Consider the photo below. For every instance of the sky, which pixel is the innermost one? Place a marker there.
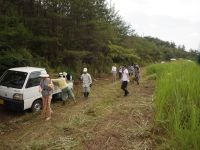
(169, 20)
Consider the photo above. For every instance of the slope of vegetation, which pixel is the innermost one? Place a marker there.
(69, 34)
(177, 103)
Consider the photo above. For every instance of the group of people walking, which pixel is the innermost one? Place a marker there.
(65, 83)
(125, 74)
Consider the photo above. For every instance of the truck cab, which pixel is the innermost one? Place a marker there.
(19, 88)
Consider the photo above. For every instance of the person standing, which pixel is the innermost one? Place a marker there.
(87, 82)
(125, 80)
(66, 89)
(120, 72)
(70, 86)
(46, 89)
(131, 70)
(137, 74)
(114, 73)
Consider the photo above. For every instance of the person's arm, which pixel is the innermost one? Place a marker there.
(127, 74)
(81, 77)
(71, 78)
(51, 84)
(90, 80)
(55, 81)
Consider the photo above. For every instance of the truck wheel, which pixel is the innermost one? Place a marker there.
(36, 106)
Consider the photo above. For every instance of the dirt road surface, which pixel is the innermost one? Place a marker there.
(105, 121)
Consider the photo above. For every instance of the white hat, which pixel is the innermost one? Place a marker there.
(64, 73)
(84, 69)
(60, 73)
(44, 75)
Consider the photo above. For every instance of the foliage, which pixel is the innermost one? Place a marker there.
(13, 58)
(177, 103)
(152, 50)
(123, 55)
(198, 59)
(69, 34)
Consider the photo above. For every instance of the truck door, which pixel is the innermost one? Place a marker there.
(31, 91)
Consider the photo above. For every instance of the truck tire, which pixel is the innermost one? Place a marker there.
(36, 106)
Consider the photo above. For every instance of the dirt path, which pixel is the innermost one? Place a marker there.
(107, 120)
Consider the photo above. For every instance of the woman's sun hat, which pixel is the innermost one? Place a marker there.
(44, 75)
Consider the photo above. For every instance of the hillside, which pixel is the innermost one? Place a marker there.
(65, 35)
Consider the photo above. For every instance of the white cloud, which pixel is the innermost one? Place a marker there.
(172, 20)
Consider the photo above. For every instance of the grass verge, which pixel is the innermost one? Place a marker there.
(177, 103)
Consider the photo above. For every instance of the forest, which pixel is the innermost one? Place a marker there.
(71, 34)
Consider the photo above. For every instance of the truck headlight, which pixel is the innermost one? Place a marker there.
(18, 96)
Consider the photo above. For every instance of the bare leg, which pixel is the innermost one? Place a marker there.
(48, 108)
(115, 75)
(43, 106)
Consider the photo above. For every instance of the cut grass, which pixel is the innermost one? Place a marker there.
(107, 120)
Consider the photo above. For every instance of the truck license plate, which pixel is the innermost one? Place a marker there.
(1, 102)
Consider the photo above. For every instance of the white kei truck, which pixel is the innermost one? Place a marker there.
(19, 89)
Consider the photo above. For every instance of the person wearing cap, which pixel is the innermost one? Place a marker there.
(87, 82)
(70, 85)
(137, 73)
(60, 75)
(67, 76)
(114, 72)
(120, 72)
(46, 89)
(64, 74)
(131, 70)
(65, 87)
(125, 80)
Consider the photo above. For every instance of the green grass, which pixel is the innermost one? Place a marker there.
(177, 103)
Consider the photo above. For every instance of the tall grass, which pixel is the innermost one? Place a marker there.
(177, 103)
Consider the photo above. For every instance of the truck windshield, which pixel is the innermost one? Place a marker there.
(14, 79)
